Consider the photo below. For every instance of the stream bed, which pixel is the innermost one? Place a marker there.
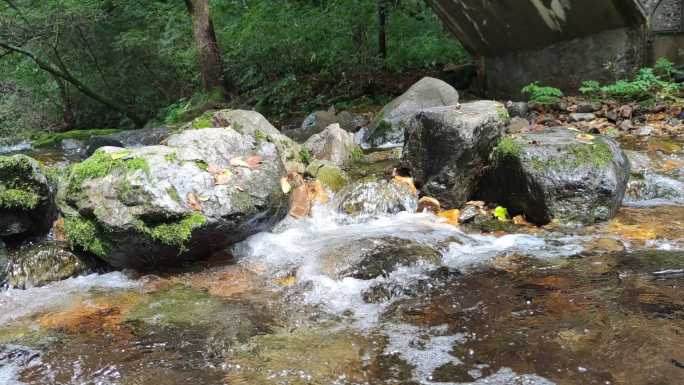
(390, 299)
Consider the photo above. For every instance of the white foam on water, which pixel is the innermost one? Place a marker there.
(424, 348)
(17, 303)
(485, 248)
(17, 147)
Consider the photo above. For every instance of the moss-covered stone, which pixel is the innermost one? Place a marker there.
(204, 121)
(87, 234)
(175, 305)
(52, 138)
(101, 164)
(329, 175)
(175, 233)
(506, 148)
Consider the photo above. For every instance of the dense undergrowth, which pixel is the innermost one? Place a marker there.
(286, 60)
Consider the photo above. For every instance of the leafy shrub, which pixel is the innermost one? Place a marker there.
(649, 84)
(542, 94)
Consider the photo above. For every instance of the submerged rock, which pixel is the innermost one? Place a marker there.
(372, 257)
(43, 263)
(333, 144)
(130, 138)
(205, 189)
(558, 175)
(447, 148)
(377, 196)
(388, 127)
(26, 197)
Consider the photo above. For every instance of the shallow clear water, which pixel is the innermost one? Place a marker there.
(314, 301)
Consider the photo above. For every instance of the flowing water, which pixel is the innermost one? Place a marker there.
(375, 299)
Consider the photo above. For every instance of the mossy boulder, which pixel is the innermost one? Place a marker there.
(329, 174)
(557, 174)
(388, 127)
(447, 148)
(42, 263)
(26, 197)
(163, 205)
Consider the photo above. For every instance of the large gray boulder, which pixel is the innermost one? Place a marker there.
(165, 204)
(558, 174)
(256, 125)
(333, 144)
(372, 197)
(388, 127)
(318, 121)
(26, 198)
(447, 148)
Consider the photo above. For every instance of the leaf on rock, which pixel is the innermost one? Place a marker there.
(301, 203)
(214, 169)
(254, 162)
(501, 213)
(222, 178)
(194, 202)
(285, 185)
(238, 162)
(585, 138)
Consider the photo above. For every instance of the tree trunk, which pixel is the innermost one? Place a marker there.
(382, 23)
(68, 116)
(208, 53)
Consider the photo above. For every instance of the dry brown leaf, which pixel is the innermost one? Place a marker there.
(429, 204)
(222, 178)
(301, 204)
(214, 169)
(254, 162)
(317, 192)
(407, 183)
(239, 188)
(238, 162)
(451, 216)
(194, 202)
(285, 185)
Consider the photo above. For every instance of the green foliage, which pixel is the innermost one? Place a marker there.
(102, 163)
(542, 94)
(357, 154)
(305, 155)
(501, 213)
(649, 85)
(506, 148)
(86, 234)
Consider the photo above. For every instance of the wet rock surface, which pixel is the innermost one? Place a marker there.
(447, 148)
(558, 175)
(376, 197)
(130, 138)
(45, 262)
(158, 205)
(388, 127)
(26, 198)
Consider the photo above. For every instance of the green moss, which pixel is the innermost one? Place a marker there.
(380, 130)
(171, 158)
(260, 136)
(597, 154)
(18, 199)
(173, 193)
(357, 154)
(87, 234)
(101, 164)
(204, 121)
(503, 113)
(506, 148)
(175, 234)
(48, 139)
(305, 156)
(332, 177)
(18, 189)
(202, 165)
